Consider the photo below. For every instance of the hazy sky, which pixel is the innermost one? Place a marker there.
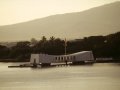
(15, 11)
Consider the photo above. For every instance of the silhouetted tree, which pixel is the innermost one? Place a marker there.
(20, 51)
(33, 41)
(4, 51)
(102, 46)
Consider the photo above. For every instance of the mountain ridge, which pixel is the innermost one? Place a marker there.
(71, 25)
(59, 14)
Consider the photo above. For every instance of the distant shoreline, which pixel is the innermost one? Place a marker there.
(27, 60)
(107, 61)
(14, 60)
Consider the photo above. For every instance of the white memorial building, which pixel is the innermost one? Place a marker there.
(45, 59)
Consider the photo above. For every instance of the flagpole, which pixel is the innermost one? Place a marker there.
(66, 52)
(65, 45)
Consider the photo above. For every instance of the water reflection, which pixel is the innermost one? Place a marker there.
(84, 77)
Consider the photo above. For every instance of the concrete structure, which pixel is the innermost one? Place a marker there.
(45, 59)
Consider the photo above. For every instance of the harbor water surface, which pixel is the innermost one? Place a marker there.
(99, 76)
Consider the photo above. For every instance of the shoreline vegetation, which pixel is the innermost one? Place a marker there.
(102, 47)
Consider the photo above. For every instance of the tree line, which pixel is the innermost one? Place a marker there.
(102, 46)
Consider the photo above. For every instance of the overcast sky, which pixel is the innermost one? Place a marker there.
(15, 11)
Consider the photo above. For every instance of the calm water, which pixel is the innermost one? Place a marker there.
(91, 77)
